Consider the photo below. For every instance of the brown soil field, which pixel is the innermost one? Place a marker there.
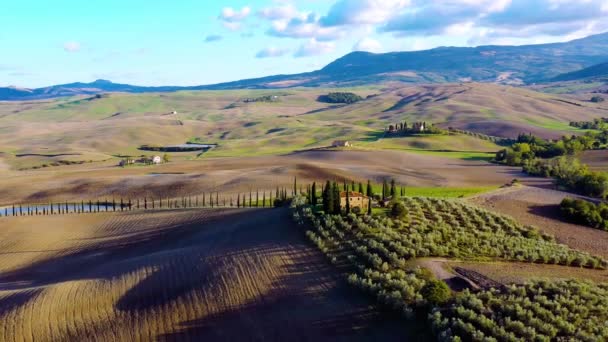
(596, 160)
(242, 174)
(539, 207)
(200, 275)
(519, 272)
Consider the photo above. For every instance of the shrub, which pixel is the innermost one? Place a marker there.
(436, 292)
(398, 210)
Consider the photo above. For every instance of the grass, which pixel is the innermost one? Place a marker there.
(436, 192)
(446, 192)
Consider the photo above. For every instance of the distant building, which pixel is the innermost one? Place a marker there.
(418, 127)
(341, 143)
(157, 160)
(355, 199)
(174, 112)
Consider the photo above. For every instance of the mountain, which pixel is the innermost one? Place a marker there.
(501, 64)
(595, 71)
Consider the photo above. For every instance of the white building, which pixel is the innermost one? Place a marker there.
(341, 143)
(157, 160)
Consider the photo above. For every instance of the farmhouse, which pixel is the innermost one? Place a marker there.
(355, 199)
(157, 160)
(341, 143)
(418, 127)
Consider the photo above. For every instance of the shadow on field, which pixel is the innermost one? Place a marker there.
(89, 263)
(242, 274)
(309, 302)
(17, 299)
(550, 211)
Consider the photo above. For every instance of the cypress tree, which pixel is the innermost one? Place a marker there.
(384, 189)
(238, 200)
(369, 189)
(347, 209)
(295, 186)
(203, 199)
(344, 185)
(336, 199)
(361, 188)
(211, 199)
(313, 194)
(328, 199)
(264, 199)
(257, 198)
(369, 207)
(250, 199)
(352, 186)
(217, 199)
(393, 189)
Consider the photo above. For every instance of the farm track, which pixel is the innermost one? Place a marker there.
(221, 274)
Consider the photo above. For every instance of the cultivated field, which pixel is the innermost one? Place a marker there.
(174, 275)
(232, 175)
(34, 133)
(540, 207)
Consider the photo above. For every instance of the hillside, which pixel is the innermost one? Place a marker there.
(595, 71)
(501, 64)
(175, 275)
(33, 133)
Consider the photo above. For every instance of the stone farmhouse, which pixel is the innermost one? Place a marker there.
(356, 200)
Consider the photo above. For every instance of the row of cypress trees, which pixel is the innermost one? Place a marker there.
(206, 200)
(330, 196)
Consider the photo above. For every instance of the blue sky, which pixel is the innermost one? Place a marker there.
(188, 42)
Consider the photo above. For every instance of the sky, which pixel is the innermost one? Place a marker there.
(194, 42)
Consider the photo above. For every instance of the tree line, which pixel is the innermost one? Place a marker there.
(571, 174)
(340, 97)
(585, 213)
(257, 199)
(529, 147)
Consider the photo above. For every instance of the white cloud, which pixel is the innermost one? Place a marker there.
(349, 12)
(71, 46)
(305, 25)
(284, 12)
(313, 48)
(231, 15)
(271, 52)
(368, 44)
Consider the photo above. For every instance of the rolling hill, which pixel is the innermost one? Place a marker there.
(500, 64)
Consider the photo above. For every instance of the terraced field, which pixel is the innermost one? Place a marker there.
(174, 275)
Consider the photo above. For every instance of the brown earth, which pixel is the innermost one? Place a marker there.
(539, 207)
(520, 272)
(596, 160)
(233, 175)
(175, 275)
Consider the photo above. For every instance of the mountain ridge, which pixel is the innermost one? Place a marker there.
(523, 64)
